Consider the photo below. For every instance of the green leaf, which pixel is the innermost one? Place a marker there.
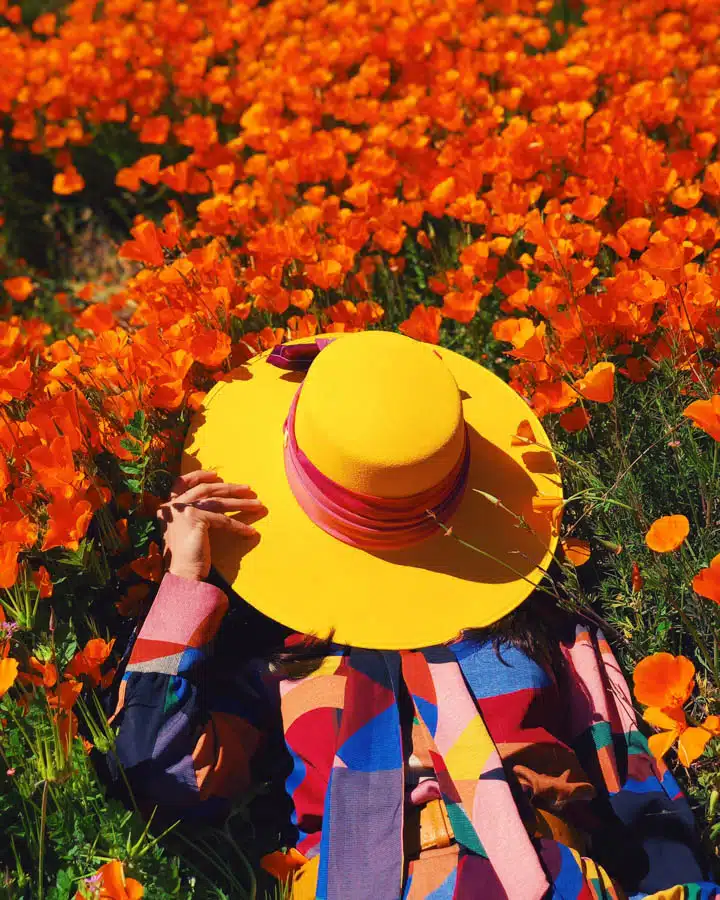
(132, 445)
(138, 425)
(64, 885)
(141, 529)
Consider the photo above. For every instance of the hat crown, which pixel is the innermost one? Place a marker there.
(381, 414)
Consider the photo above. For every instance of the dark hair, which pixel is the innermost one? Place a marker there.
(303, 656)
(537, 627)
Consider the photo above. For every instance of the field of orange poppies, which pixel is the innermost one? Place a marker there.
(535, 183)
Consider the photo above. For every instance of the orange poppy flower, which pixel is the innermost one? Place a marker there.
(576, 551)
(326, 274)
(19, 288)
(9, 568)
(637, 370)
(128, 178)
(707, 581)
(145, 246)
(527, 338)
(169, 386)
(15, 526)
(706, 415)
(711, 182)
(636, 578)
(575, 419)
(687, 197)
(441, 195)
(674, 727)
(199, 132)
(210, 347)
(133, 601)
(423, 324)
(553, 396)
(110, 883)
(712, 724)
(302, 298)
(369, 312)
(63, 697)
(89, 660)
(67, 523)
(43, 673)
(69, 181)
(149, 567)
(45, 24)
(667, 533)
(282, 865)
(155, 130)
(8, 674)
(148, 168)
(588, 207)
(67, 726)
(16, 381)
(663, 680)
(98, 317)
(461, 305)
(636, 232)
(176, 177)
(598, 384)
(666, 260)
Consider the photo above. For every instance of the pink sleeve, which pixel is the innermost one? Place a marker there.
(182, 621)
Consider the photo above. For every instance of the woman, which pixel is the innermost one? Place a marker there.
(440, 744)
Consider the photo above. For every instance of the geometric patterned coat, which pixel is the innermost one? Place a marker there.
(548, 785)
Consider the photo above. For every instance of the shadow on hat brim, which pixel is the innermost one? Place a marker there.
(496, 554)
(494, 559)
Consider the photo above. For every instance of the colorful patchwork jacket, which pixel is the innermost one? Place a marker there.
(548, 784)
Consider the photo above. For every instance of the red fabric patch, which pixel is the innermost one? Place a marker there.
(146, 649)
(417, 676)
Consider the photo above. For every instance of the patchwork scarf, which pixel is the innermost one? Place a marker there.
(364, 806)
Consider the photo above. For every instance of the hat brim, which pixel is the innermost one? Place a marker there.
(309, 581)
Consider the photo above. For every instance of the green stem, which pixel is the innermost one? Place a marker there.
(711, 490)
(214, 858)
(19, 726)
(41, 842)
(246, 864)
(708, 657)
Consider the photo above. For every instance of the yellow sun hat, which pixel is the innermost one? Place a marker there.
(402, 505)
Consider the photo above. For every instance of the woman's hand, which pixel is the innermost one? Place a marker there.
(198, 502)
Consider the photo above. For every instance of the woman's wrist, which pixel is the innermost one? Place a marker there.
(189, 573)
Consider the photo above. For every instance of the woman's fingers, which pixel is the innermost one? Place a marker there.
(227, 504)
(207, 490)
(219, 520)
(203, 496)
(184, 482)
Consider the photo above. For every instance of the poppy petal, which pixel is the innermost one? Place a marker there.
(660, 744)
(576, 551)
(692, 744)
(664, 680)
(8, 674)
(667, 533)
